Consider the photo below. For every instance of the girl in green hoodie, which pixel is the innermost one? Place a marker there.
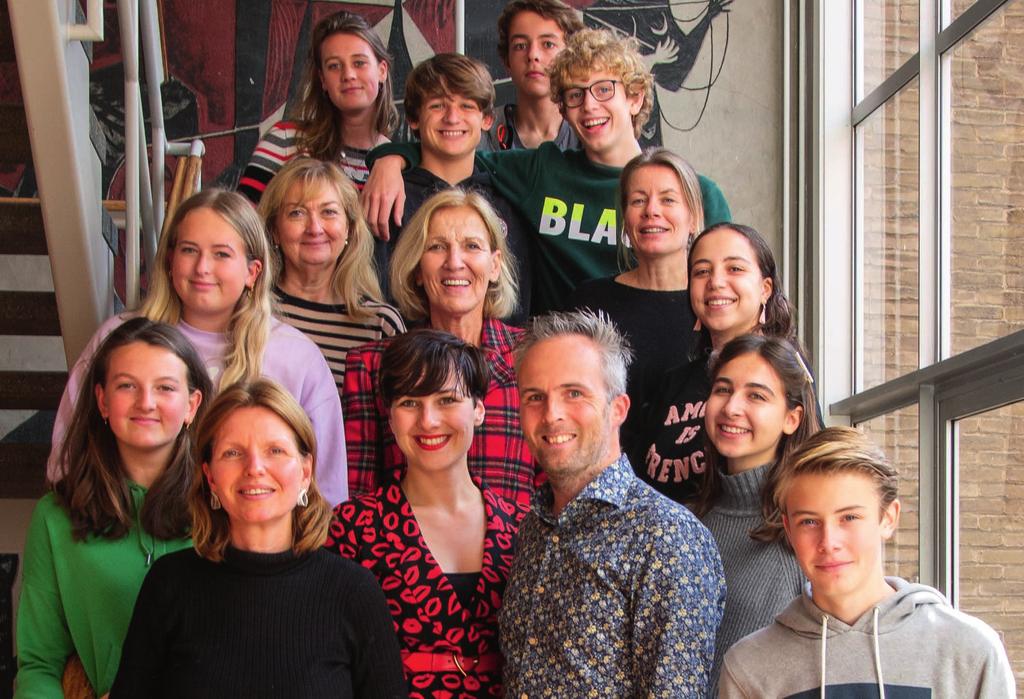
(120, 505)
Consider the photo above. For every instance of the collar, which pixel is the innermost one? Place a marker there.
(742, 491)
(498, 336)
(610, 487)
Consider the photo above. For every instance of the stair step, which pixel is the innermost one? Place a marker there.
(14, 143)
(23, 470)
(21, 227)
(29, 313)
(31, 390)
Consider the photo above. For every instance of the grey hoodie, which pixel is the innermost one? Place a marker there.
(911, 645)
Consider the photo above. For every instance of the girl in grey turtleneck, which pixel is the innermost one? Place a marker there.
(754, 416)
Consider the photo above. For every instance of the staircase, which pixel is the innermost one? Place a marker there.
(32, 366)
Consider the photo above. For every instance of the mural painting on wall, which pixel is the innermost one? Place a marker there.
(232, 68)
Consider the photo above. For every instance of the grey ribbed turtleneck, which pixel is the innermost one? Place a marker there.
(761, 579)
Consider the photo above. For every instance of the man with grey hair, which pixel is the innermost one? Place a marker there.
(615, 590)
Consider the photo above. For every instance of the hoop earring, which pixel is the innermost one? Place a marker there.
(214, 501)
(303, 498)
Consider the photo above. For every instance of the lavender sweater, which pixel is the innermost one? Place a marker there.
(290, 358)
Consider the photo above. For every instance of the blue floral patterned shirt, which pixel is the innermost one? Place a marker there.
(619, 595)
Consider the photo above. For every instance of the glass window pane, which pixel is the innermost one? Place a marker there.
(988, 180)
(888, 146)
(897, 434)
(990, 467)
(890, 32)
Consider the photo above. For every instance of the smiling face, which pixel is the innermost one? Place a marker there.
(257, 471)
(311, 228)
(747, 413)
(146, 400)
(450, 128)
(657, 218)
(837, 526)
(569, 422)
(457, 263)
(435, 431)
(533, 44)
(727, 288)
(350, 73)
(605, 129)
(209, 269)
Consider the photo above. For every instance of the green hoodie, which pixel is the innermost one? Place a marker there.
(77, 597)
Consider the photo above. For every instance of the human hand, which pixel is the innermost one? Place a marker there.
(384, 193)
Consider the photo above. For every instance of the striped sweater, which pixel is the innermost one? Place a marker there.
(278, 146)
(334, 330)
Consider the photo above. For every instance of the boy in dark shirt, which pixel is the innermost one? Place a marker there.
(531, 33)
(449, 104)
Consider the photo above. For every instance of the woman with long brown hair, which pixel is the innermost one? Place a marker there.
(345, 107)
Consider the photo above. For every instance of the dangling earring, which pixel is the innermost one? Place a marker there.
(761, 319)
(248, 292)
(214, 501)
(303, 498)
(697, 326)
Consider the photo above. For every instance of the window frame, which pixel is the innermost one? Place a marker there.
(946, 387)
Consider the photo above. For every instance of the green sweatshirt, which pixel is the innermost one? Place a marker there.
(571, 202)
(77, 597)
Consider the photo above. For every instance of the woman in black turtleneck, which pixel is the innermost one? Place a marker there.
(258, 608)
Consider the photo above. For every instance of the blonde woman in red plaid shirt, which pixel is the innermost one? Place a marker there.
(451, 270)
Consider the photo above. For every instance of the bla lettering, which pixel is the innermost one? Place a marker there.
(552, 220)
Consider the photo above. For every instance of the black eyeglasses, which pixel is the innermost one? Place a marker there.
(602, 91)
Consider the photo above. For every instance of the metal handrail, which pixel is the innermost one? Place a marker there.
(144, 167)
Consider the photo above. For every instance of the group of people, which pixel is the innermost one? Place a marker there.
(514, 410)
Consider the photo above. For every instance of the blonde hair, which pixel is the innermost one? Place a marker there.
(249, 327)
(320, 119)
(355, 272)
(211, 529)
(502, 296)
(595, 50)
(689, 183)
(836, 450)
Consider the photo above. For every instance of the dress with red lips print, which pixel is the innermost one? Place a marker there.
(380, 531)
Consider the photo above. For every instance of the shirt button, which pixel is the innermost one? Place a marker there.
(554, 539)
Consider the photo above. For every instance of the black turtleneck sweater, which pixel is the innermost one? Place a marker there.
(260, 625)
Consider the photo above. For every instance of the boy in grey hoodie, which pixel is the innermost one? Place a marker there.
(853, 630)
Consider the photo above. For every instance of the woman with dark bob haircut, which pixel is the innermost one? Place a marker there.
(258, 608)
(438, 530)
(121, 505)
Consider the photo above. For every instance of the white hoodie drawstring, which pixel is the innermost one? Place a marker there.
(878, 660)
(878, 656)
(824, 637)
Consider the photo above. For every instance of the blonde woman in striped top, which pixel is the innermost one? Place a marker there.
(327, 284)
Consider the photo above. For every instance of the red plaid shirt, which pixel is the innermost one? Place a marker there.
(498, 456)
